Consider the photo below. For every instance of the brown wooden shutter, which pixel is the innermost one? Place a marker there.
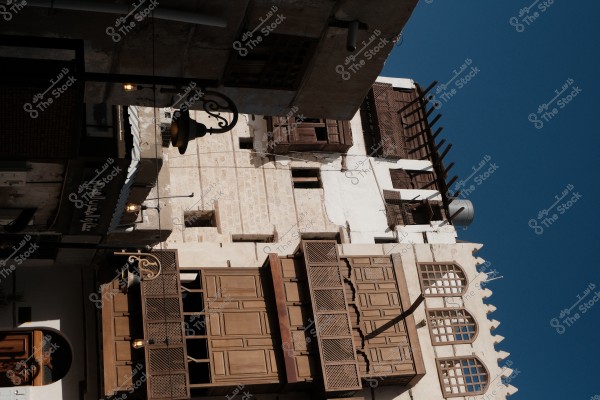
(242, 344)
(406, 179)
(400, 179)
(390, 130)
(330, 310)
(166, 359)
(334, 135)
(400, 135)
(423, 180)
(346, 133)
(393, 352)
(306, 131)
(312, 134)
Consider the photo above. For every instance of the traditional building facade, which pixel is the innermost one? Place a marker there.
(310, 259)
(297, 256)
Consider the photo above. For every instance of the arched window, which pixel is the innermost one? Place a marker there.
(442, 279)
(451, 325)
(460, 376)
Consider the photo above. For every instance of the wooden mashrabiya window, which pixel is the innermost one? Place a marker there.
(451, 326)
(460, 376)
(439, 279)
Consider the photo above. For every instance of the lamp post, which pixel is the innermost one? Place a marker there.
(184, 128)
(144, 262)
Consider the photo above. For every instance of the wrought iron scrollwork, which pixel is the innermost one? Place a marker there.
(185, 129)
(213, 103)
(145, 262)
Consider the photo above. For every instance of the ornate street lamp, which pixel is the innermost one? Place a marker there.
(184, 128)
(148, 267)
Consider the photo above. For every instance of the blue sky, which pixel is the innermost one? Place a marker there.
(553, 56)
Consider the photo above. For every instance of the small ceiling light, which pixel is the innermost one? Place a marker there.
(140, 343)
(130, 87)
(133, 208)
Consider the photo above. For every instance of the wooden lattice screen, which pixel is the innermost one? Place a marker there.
(408, 179)
(292, 134)
(162, 310)
(330, 310)
(396, 135)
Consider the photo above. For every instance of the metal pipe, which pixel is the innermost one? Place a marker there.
(159, 13)
(440, 144)
(448, 168)
(413, 137)
(439, 161)
(417, 122)
(456, 213)
(454, 196)
(422, 96)
(436, 119)
(451, 182)
(416, 110)
(352, 36)
(431, 110)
